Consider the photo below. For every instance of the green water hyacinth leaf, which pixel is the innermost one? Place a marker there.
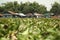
(29, 29)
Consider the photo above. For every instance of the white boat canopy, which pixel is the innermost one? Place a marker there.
(21, 14)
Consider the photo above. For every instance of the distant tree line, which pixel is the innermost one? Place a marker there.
(55, 8)
(29, 7)
(23, 7)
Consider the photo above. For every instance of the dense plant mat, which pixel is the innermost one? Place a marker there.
(29, 29)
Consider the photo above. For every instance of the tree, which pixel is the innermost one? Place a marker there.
(24, 7)
(2, 9)
(32, 7)
(42, 9)
(12, 6)
(35, 7)
(55, 8)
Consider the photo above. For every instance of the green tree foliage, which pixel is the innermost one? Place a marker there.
(2, 9)
(55, 8)
(42, 9)
(12, 6)
(25, 7)
(32, 7)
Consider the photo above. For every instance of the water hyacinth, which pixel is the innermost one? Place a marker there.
(29, 29)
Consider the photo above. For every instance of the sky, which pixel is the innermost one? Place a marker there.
(47, 3)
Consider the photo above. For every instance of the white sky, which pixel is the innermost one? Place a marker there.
(47, 3)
